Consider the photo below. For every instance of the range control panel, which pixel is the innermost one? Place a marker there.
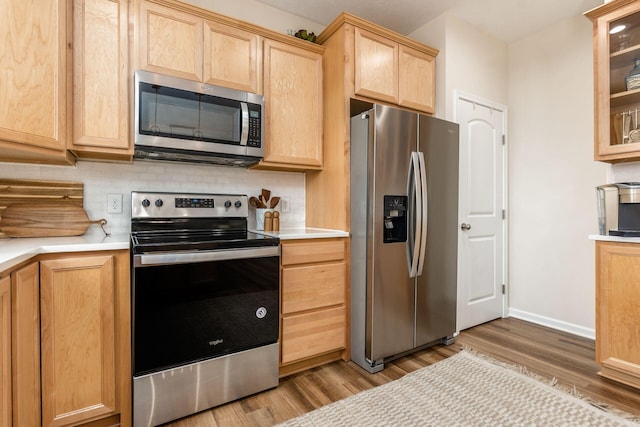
(190, 202)
(186, 205)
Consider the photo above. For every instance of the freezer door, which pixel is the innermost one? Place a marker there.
(437, 286)
(391, 290)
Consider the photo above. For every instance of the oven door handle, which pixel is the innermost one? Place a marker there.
(146, 260)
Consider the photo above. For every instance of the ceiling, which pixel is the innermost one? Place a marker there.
(507, 20)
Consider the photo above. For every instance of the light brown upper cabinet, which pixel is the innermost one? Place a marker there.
(616, 45)
(293, 104)
(35, 81)
(182, 42)
(389, 71)
(170, 41)
(376, 66)
(101, 84)
(416, 79)
(231, 57)
(362, 62)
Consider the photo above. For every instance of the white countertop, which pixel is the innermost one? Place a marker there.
(614, 238)
(16, 250)
(303, 233)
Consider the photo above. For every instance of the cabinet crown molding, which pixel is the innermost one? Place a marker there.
(212, 16)
(347, 18)
(605, 8)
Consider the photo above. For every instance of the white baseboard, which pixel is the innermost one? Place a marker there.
(553, 323)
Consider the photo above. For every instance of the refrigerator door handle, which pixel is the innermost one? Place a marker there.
(414, 190)
(424, 212)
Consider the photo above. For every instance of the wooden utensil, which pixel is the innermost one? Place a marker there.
(274, 201)
(265, 196)
(45, 220)
(253, 201)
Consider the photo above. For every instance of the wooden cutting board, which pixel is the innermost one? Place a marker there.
(13, 191)
(45, 220)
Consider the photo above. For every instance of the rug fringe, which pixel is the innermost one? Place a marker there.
(553, 382)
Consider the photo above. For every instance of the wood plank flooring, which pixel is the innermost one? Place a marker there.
(544, 351)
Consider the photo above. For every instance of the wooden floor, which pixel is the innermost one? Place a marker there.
(544, 351)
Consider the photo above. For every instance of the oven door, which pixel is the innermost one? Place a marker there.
(193, 306)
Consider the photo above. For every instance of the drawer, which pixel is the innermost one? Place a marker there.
(313, 286)
(311, 334)
(319, 250)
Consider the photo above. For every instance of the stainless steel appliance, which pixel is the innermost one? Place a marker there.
(182, 120)
(619, 209)
(205, 302)
(404, 228)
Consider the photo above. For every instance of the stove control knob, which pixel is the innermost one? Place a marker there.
(227, 204)
(159, 203)
(238, 204)
(146, 203)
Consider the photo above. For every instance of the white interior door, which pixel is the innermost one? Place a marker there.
(482, 247)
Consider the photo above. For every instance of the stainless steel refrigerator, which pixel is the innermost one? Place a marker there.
(404, 233)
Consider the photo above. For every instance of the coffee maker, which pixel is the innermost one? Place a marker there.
(619, 209)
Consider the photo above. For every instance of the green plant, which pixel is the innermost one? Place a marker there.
(304, 35)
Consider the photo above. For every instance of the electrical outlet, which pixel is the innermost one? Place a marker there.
(114, 203)
(284, 204)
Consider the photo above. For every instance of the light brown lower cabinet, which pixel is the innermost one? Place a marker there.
(617, 314)
(5, 352)
(71, 351)
(314, 303)
(25, 342)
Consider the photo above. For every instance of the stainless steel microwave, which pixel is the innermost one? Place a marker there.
(186, 121)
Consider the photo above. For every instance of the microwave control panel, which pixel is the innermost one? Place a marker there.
(255, 128)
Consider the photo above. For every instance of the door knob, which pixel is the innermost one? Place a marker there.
(465, 227)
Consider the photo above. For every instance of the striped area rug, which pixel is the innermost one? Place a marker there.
(466, 389)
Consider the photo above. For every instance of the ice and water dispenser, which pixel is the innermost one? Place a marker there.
(619, 209)
(395, 219)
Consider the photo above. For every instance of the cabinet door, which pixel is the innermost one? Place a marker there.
(376, 66)
(310, 287)
(416, 84)
(230, 57)
(616, 103)
(34, 77)
(617, 316)
(5, 352)
(100, 66)
(313, 333)
(293, 104)
(78, 339)
(25, 328)
(170, 42)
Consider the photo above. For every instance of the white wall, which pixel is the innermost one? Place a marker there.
(259, 14)
(546, 80)
(101, 179)
(553, 177)
(469, 60)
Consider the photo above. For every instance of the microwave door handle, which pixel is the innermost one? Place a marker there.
(244, 133)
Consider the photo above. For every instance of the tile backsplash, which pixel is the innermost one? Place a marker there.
(101, 179)
(624, 172)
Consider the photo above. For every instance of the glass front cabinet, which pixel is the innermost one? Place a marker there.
(616, 44)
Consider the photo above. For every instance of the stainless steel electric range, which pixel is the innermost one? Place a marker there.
(205, 299)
